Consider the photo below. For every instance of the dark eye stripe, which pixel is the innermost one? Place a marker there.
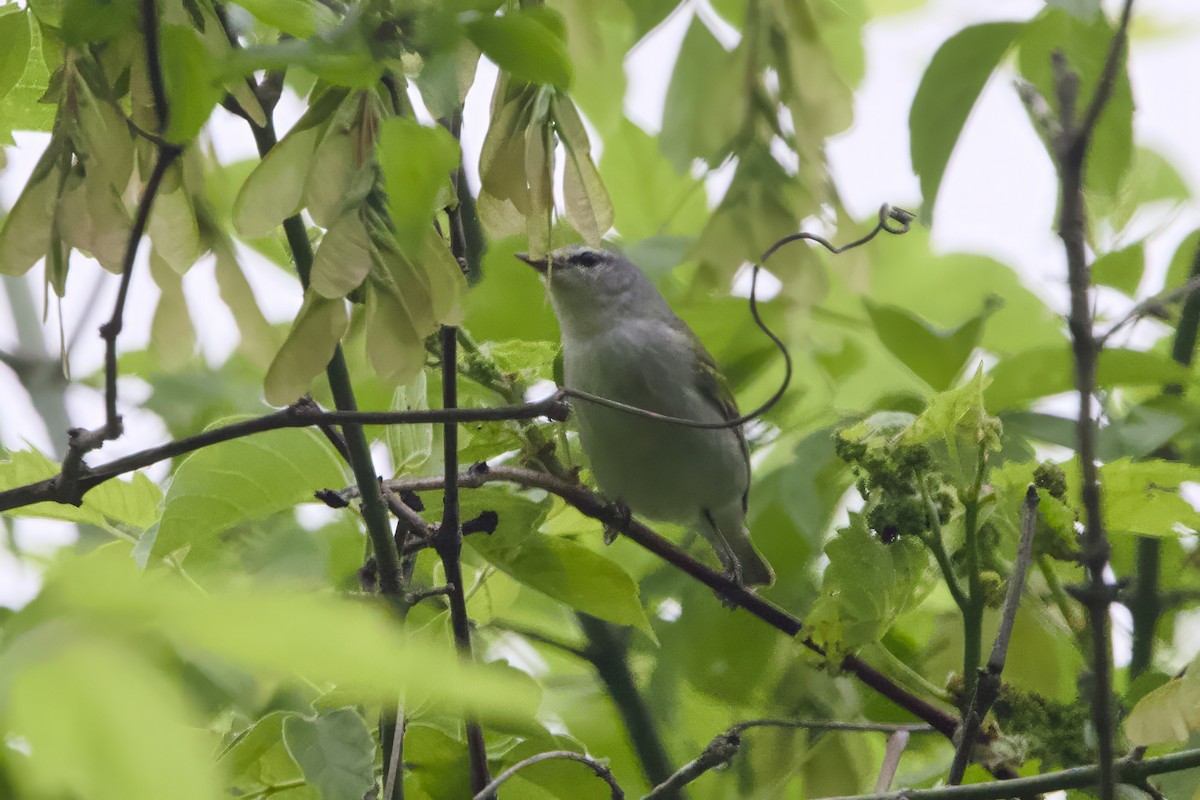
(588, 258)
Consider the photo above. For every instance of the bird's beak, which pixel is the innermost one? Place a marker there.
(540, 264)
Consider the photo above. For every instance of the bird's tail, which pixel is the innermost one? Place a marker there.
(728, 534)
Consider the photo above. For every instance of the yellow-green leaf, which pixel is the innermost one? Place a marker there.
(309, 346)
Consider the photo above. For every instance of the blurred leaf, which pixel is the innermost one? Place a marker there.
(301, 635)
(191, 83)
(936, 356)
(299, 18)
(172, 334)
(1121, 269)
(1181, 266)
(556, 566)
(335, 751)
(525, 44)
(410, 445)
(648, 194)
(589, 208)
(15, 41)
(1151, 178)
(705, 77)
(22, 106)
(68, 697)
(315, 334)
(1085, 45)
(25, 236)
(1167, 714)
(1043, 372)
(210, 491)
(949, 88)
(173, 226)
(416, 163)
(259, 340)
(1142, 497)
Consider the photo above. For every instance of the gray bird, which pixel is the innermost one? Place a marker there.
(623, 342)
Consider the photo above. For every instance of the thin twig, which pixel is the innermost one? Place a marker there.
(987, 687)
(154, 74)
(602, 772)
(298, 415)
(1150, 306)
(896, 744)
(1126, 770)
(590, 504)
(1071, 152)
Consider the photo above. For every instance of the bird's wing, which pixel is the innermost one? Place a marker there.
(713, 386)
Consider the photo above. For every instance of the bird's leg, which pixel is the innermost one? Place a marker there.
(623, 516)
(729, 561)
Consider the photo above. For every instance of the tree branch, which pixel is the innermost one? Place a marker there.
(987, 686)
(1126, 771)
(602, 772)
(1071, 151)
(299, 415)
(593, 506)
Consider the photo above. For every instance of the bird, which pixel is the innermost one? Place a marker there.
(621, 341)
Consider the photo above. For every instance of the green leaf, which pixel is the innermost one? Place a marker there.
(1121, 269)
(25, 236)
(1169, 713)
(191, 83)
(1085, 45)
(259, 340)
(555, 566)
(173, 226)
(949, 88)
(335, 751)
(172, 334)
(23, 107)
(1046, 371)
(259, 760)
(524, 45)
(240, 480)
(416, 163)
(936, 356)
(589, 208)
(316, 638)
(299, 18)
(1181, 267)
(93, 22)
(315, 334)
(958, 425)
(867, 584)
(343, 258)
(705, 78)
(1142, 497)
(275, 189)
(69, 693)
(410, 445)
(92, 219)
(649, 195)
(15, 41)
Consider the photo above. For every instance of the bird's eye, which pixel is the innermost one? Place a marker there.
(587, 258)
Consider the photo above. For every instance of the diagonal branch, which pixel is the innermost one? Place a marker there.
(602, 771)
(593, 506)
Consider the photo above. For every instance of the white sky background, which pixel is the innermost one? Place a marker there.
(998, 198)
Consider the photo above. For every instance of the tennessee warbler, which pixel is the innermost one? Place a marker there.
(622, 341)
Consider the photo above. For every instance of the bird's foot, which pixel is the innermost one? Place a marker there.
(733, 571)
(623, 516)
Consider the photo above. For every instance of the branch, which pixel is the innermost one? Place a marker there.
(448, 542)
(1152, 305)
(891, 760)
(1070, 152)
(587, 502)
(725, 745)
(1126, 771)
(987, 687)
(299, 415)
(602, 772)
